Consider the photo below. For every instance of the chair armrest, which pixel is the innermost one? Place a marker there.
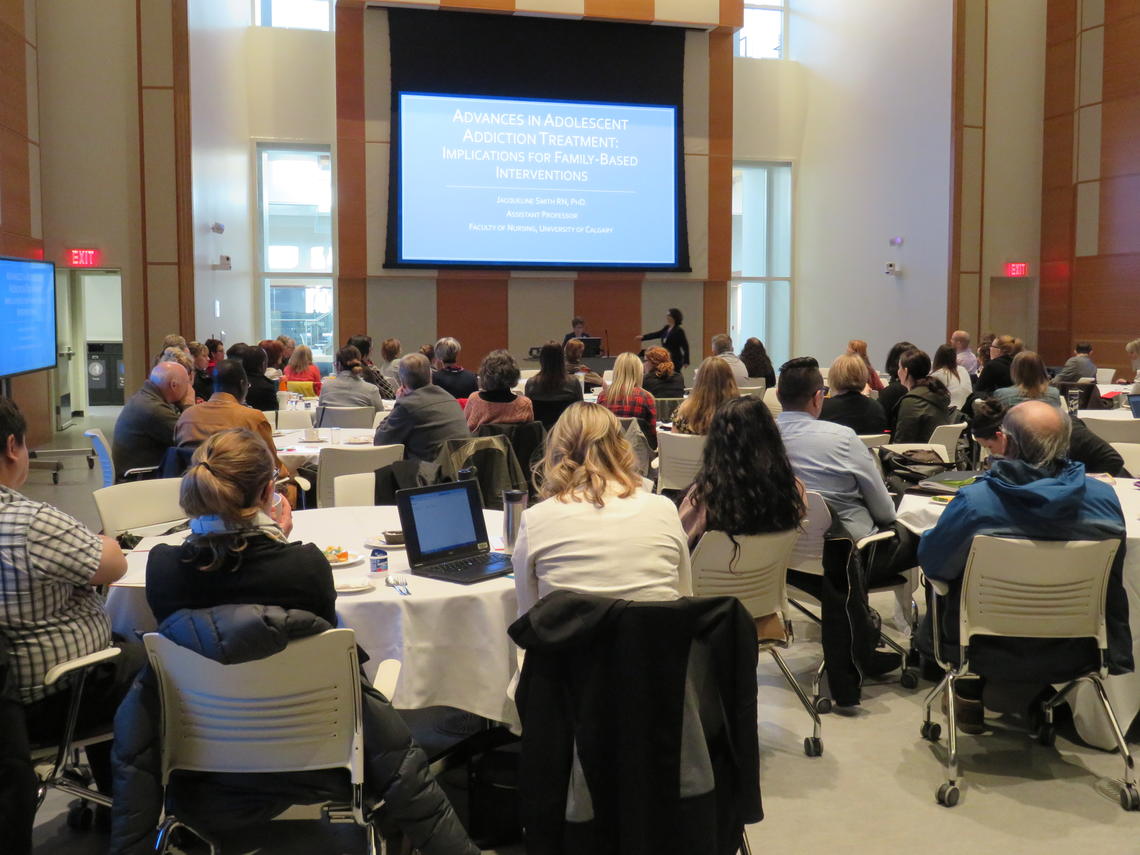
(64, 668)
(139, 472)
(940, 588)
(387, 675)
(873, 538)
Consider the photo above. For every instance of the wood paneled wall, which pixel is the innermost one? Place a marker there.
(1090, 221)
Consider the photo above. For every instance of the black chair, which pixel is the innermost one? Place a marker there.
(548, 412)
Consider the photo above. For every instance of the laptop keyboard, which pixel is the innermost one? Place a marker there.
(462, 564)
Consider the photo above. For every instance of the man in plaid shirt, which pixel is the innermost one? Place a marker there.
(50, 610)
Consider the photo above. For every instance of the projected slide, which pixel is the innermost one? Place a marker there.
(27, 315)
(489, 181)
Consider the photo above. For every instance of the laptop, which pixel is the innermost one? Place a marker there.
(591, 346)
(445, 535)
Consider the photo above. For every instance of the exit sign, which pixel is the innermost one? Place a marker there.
(83, 257)
(1017, 268)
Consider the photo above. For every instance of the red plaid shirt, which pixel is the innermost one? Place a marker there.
(639, 405)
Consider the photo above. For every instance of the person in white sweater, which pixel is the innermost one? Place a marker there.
(598, 530)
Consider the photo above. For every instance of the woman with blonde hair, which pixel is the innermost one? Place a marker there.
(847, 405)
(598, 529)
(625, 398)
(1030, 382)
(858, 347)
(714, 385)
(302, 369)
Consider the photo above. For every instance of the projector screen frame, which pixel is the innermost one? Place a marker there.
(54, 318)
(393, 258)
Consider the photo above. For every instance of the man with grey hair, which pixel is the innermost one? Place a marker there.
(449, 374)
(960, 341)
(722, 348)
(424, 417)
(145, 427)
(1032, 491)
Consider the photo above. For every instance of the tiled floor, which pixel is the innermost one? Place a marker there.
(871, 791)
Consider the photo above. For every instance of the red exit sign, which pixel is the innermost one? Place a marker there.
(1017, 268)
(83, 257)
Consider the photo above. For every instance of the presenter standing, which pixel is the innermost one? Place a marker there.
(578, 331)
(673, 339)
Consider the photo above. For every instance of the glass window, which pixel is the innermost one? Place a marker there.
(295, 208)
(297, 14)
(762, 36)
(761, 288)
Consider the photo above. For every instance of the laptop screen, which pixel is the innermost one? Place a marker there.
(443, 520)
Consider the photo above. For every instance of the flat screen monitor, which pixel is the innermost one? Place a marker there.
(524, 182)
(27, 316)
(591, 346)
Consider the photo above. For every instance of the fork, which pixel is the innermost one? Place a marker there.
(399, 583)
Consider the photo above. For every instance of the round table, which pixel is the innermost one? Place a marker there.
(451, 638)
(919, 513)
(294, 450)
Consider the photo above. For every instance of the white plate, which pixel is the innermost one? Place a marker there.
(358, 440)
(353, 558)
(353, 586)
(378, 543)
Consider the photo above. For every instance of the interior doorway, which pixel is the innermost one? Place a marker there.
(89, 326)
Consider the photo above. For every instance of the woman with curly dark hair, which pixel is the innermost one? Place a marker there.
(755, 358)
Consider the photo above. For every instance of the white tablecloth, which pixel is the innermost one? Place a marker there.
(452, 639)
(294, 450)
(919, 512)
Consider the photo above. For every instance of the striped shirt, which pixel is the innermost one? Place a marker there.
(49, 612)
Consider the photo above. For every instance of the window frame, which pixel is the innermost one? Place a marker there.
(264, 8)
(782, 8)
(260, 247)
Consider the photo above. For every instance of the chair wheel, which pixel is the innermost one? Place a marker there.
(822, 705)
(908, 679)
(90, 462)
(948, 795)
(813, 746)
(1130, 797)
(913, 657)
(80, 815)
(55, 477)
(931, 730)
(1046, 734)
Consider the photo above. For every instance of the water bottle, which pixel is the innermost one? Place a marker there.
(471, 473)
(1073, 398)
(514, 503)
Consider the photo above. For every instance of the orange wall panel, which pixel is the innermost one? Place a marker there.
(621, 10)
(1057, 224)
(1115, 10)
(351, 307)
(716, 319)
(1060, 78)
(1061, 21)
(1057, 154)
(613, 308)
(479, 5)
(1122, 58)
(473, 309)
(1120, 137)
(1120, 215)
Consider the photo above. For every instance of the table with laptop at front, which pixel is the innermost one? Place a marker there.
(451, 636)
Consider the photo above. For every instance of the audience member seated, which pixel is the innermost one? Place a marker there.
(552, 383)
(722, 349)
(425, 416)
(624, 396)
(954, 376)
(858, 347)
(661, 380)
(1133, 351)
(673, 339)
(288, 345)
(1084, 445)
(1035, 492)
(372, 374)
(597, 530)
(203, 382)
(1030, 382)
(50, 610)
(226, 409)
(925, 406)
(183, 358)
(495, 403)
(390, 359)
(174, 340)
(1079, 365)
(274, 367)
(966, 358)
(893, 392)
(746, 485)
(996, 373)
(217, 351)
(262, 394)
(301, 369)
(573, 351)
(714, 385)
(349, 388)
(145, 427)
(449, 374)
(757, 362)
(237, 554)
(831, 460)
(847, 405)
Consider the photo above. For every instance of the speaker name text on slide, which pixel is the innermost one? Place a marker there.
(517, 182)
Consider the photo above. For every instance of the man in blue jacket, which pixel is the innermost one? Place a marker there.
(1033, 491)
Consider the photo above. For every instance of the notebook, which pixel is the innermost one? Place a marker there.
(445, 535)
